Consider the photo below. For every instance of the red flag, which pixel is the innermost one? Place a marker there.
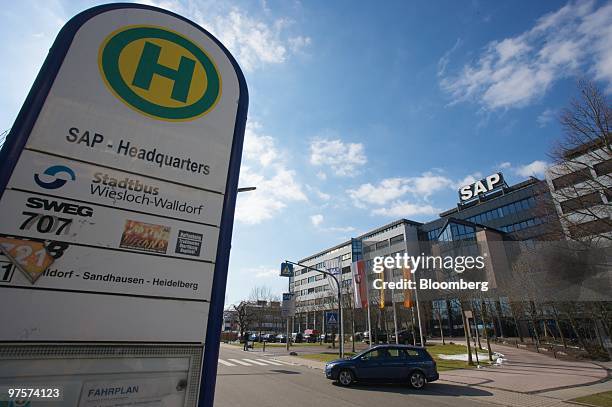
(360, 284)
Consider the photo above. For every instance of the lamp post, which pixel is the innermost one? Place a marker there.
(246, 189)
(340, 319)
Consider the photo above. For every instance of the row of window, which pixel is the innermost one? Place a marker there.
(583, 174)
(311, 279)
(382, 231)
(522, 225)
(581, 202)
(383, 244)
(457, 231)
(502, 211)
(433, 234)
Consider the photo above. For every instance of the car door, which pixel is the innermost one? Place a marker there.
(368, 366)
(393, 366)
(412, 359)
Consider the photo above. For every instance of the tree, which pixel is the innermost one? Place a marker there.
(244, 316)
(259, 298)
(581, 174)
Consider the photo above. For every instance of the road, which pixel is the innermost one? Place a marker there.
(249, 379)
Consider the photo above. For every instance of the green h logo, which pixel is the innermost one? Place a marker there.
(149, 66)
(159, 73)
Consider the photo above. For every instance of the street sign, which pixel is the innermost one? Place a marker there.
(288, 305)
(331, 318)
(286, 270)
(118, 184)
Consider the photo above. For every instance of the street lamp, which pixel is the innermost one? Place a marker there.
(341, 343)
(247, 189)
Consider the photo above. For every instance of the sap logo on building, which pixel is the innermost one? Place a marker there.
(159, 73)
(50, 180)
(493, 181)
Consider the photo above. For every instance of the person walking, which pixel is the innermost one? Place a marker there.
(245, 338)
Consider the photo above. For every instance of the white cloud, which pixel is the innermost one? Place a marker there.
(389, 189)
(403, 209)
(261, 272)
(299, 43)
(445, 59)
(316, 220)
(259, 147)
(321, 175)
(517, 70)
(468, 180)
(536, 168)
(547, 116)
(253, 42)
(264, 169)
(320, 194)
(344, 159)
(504, 165)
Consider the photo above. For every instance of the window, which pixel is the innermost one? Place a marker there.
(603, 168)
(411, 353)
(594, 227)
(515, 227)
(311, 279)
(432, 235)
(572, 179)
(382, 245)
(376, 354)
(581, 202)
(502, 211)
(396, 239)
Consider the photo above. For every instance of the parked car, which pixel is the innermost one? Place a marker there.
(386, 364)
(406, 338)
(270, 338)
(311, 335)
(281, 338)
(254, 338)
(327, 338)
(297, 337)
(379, 337)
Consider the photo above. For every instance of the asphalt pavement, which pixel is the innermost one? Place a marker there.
(252, 379)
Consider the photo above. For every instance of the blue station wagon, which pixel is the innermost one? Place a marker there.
(385, 363)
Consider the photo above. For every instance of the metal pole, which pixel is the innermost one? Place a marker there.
(287, 338)
(395, 321)
(341, 330)
(416, 296)
(369, 316)
(341, 345)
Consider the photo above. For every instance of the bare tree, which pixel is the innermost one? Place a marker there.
(244, 316)
(582, 180)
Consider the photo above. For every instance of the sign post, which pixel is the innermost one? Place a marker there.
(288, 311)
(118, 184)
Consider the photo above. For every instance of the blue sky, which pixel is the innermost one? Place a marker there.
(360, 114)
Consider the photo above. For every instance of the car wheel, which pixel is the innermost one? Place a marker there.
(417, 380)
(345, 377)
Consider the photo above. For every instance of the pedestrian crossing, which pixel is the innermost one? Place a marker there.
(231, 362)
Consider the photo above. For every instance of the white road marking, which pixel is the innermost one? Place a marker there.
(223, 362)
(256, 362)
(270, 362)
(283, 362)
(240, 362)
